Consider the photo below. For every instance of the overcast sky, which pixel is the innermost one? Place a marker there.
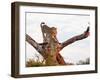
(67, 27)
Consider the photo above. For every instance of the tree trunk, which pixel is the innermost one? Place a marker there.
(50, 47)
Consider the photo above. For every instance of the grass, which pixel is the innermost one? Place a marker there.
(33, 63)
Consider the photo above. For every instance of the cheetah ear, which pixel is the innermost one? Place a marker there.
(42, 23)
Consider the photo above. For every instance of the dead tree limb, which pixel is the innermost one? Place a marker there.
(33, 43)
(60, 59)
(75, 38)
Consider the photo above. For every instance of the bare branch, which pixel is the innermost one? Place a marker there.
(75, 38)
(33, 43)
(60, 59)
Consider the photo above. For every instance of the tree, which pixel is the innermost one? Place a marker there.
(82, 62)
(51, 47)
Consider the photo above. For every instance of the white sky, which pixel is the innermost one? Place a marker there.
(67, 27)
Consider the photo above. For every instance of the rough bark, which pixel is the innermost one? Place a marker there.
(75, 38)
(53, 58)
(51, 47)
(33, 43)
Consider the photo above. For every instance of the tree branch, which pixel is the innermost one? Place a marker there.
(60, 59)
(75, 38)
(34, 43)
